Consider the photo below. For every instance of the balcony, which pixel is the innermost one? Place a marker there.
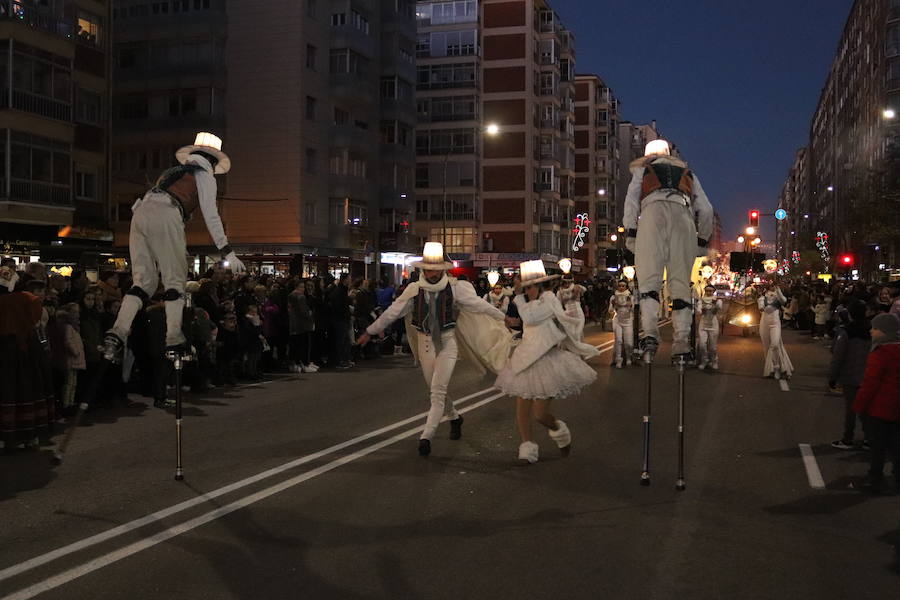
(38, 192)
(40, 105)
(16, 10)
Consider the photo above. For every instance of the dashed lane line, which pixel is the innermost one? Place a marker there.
(813, 474)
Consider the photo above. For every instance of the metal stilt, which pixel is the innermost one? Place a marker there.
(680, 483)
(648, 375)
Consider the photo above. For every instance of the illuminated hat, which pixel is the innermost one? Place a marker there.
(532, 272)
(208, 144)
(657, 147)
(433, 258)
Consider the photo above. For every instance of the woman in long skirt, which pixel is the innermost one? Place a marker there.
(547, 364)
(777, 363)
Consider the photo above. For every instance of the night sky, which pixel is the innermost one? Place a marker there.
(733, 82)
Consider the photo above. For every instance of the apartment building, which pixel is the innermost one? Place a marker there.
(53, 131)
(314, 101)
(853, 153)
(797, 227)
(597, 167)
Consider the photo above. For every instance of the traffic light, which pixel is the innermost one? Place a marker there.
(845, 260)
(754, 218)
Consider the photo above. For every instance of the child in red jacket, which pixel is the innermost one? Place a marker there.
(878, 399)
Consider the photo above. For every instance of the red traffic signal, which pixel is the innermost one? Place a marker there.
(754, 218)
(845, 260)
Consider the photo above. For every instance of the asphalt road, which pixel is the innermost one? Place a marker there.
(327, 497)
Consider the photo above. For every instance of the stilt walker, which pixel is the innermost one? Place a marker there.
(621, 306)
(158, 249)
(676, 222)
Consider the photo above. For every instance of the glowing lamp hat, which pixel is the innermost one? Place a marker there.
(433, 258)
(209, 144)
(532, 272)
(657, 147)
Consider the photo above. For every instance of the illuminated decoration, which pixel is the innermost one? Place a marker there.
(582, 227)
(628, 272)
(795, 257)
(770, 265)
(493, 277)
(64, 271)
(746, 319)
(822, 245)
(565, 265)
(846, 260)
(657, 147)
(781, 214)
(707, 271)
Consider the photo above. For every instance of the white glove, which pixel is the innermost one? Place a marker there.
(630, 243)
(234, 263)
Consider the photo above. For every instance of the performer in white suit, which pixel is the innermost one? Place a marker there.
(708, 310)
(438, 305)
(777, 362)
(667, 197)
(157, 243)
(498, 297)
(621, 305)
(547, 364)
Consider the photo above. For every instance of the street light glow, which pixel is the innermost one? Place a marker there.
(492, 129)
(601, 192)
(830, 188)
(746, 318)
(889, 113)
(740, 239)
(750, 230)
(565, 265)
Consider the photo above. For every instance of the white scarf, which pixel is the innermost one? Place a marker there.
(443, 282)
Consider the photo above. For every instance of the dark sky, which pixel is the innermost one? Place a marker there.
(733, 82)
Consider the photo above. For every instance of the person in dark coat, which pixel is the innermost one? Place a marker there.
(338, 301)
(228, 349)
(301, 325)
(848, 364)
(251, 337)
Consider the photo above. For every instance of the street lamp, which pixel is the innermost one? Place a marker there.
(750, 230)
(492, 130)
(830, 188)
(889, 113)
(628, 272)
(756, 242)
(565, 265)
(740, 239)
(493, 277)
(613, 237)
(601, 192)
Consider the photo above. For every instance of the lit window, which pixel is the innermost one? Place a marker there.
(89, 28)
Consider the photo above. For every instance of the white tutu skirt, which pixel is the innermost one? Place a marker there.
(557, 374)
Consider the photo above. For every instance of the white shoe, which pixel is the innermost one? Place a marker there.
(715, 365)
(701, 366)
(306, 369)
(528, 451)
(618, 364)
(562, 436)
(628, 362)
(313, 366)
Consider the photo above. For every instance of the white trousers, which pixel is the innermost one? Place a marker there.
(776, 356)
(666, 240)
(709, 345)
(624, 339)
(438, 369)
(157, 247)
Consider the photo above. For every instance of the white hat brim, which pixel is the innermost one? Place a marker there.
(539, 280)
(222, 167)
(443, 266)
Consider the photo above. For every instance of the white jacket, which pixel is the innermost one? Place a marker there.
(545, 325)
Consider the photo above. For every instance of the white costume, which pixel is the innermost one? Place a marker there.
(439, 313)
(708, 310)
(499, 301)
(157, 242)
(549, 362)
(622, 307)
(777, 362)
(570, 299)
(667, 197)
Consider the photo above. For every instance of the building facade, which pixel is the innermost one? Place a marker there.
(317, 116)
(846, 181)
(54, 130)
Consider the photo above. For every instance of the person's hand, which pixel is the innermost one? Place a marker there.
(364, 339)
(513, 322)
(234, 263)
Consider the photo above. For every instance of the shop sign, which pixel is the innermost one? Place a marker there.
(78, 232)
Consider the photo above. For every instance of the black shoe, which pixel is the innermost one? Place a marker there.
(456, 428)
(424, 447)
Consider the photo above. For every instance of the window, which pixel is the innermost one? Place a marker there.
(337, 165)
(310, 108)
(389, 87)
(892, 41)
(201, 4)
(160, 8)
(358, 167)
(436, 77)
(361, 125)
(311, 52)
(344, 60)
(460, 240)
(85, 185)
(310, 160)
(311, 8)
(88, 28)
(88, 107)
(422, 175)
(341, 117)
(359, 22)
(309, 213)
(338, 19)
(451, 43)
(40, 169)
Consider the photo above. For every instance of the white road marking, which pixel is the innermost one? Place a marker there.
(157, 538)
(784, 385)
(182, 506)
(167, 512)
(813, 474)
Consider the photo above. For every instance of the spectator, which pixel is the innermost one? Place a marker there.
(385, 294)
(207, 299)
(252, 342)
(73, 350)
(91, 321)
(301, 325)
(895, 305)
(822, 310)
(848, 364)
(227, 349)
(109, 287)
(878, 400)
(339, 326)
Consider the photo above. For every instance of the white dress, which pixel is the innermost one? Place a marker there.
(570, 298)
(770, 333)
(549, 363)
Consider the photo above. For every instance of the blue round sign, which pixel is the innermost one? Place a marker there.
(781, 214)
